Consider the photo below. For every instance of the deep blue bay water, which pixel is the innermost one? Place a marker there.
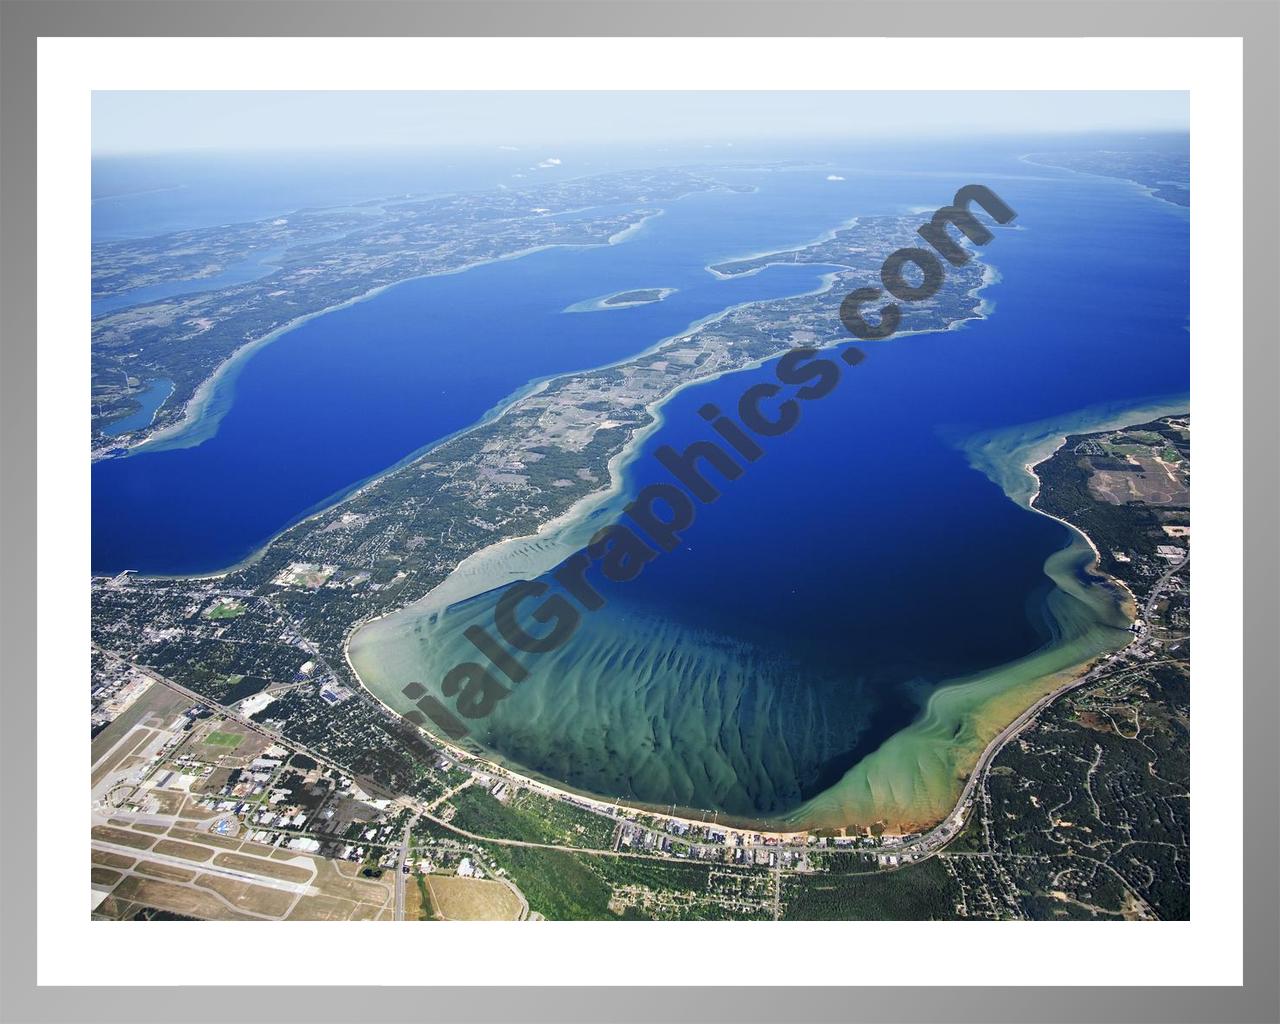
(815, 607)
(350, 393)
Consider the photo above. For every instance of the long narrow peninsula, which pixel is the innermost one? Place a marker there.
(323, 259)
(287, 615)
(395, 539)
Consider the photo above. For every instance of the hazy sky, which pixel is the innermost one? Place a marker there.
(142, 122)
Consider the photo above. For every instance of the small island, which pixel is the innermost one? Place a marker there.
(619, 300)
(638, 297)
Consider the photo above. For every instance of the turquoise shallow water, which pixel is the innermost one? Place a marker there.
(347, 394)
(853, 618)
(858, 609)
(148, 402)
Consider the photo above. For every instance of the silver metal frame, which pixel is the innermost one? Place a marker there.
(1256, 21)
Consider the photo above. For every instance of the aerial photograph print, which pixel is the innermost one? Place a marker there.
(638, 506)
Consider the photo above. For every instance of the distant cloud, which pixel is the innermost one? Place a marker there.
(510, 149)
(835, 177)
(551, 161)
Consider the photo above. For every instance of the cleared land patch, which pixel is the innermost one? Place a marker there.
(187, 851)
(110, 859)
(253, 899)
(121, 837)
(180, 899)
(472, 899)
(417, 901)
(322, 908)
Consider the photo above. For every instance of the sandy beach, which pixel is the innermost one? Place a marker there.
(200, 414)
(531, 555)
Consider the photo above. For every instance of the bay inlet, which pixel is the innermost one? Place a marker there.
(839, 633)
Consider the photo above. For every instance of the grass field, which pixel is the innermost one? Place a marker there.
(263, 866)
(531, 817)
(472, 899)
(244, 896)
(179, 899)
(122, 837)
(417, 901)
(226, 610)
(187, 851)
(112, 860)
(230, 740)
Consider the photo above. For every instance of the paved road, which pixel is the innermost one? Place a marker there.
(926, 846)
(208, 868)
(937, 837)
(248, 723)
(1158, 588)
(400, 868)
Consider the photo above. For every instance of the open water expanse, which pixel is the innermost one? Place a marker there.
(840, 629)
